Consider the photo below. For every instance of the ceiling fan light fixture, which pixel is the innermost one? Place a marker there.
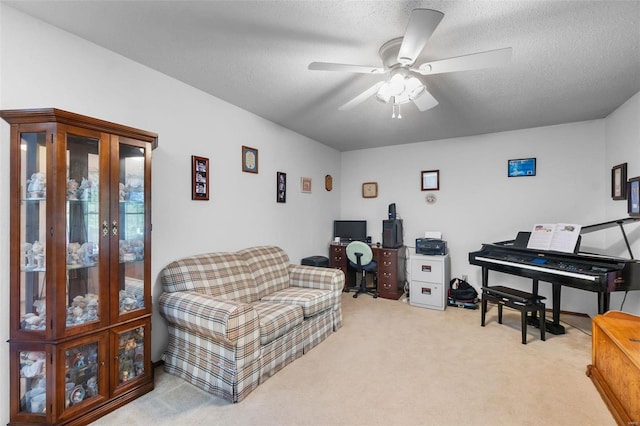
(396, 84)
(414, 87)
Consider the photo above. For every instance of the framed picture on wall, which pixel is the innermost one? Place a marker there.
(305, 184)
(281, 187)
(633, 196)
(521, 167)
(619, 182)
(199, 178)
(430, 180)
(249, 159)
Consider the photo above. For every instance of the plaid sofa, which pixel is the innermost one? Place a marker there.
(236, 318)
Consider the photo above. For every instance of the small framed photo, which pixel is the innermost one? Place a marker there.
(619, 182)
(249, 159)
(281, 187)
(305, 184)
(633, 197)
(521, 167)
(430, 180)
(199, 178)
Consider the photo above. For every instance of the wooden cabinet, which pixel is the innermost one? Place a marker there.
(391, 271)
(615, 368)
(80, 271)
(391, 268)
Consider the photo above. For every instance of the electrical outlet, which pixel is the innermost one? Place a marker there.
(465, 278)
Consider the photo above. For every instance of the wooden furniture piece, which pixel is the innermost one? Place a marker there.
(615, 368)
(515, 299)
(80, 270)
(429, 281)
(391, 268)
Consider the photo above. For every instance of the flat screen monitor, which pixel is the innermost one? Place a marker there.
(350, 230)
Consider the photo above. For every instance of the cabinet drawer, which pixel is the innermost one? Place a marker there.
(426, 295)
(386, 264)
(430, 270)
(388, 289)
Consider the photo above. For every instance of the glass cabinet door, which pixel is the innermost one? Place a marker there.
(83, 231)
(85, 376)
(132, 355)
(33, 230)
(33, 381)
(133, 220)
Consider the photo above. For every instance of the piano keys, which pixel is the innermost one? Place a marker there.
(584, 271)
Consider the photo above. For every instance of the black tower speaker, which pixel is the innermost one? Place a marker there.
(392, 233)
(392, 211)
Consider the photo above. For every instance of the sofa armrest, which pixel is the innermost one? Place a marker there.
(316, 277)
(233, 322)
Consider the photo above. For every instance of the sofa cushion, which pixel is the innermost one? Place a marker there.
(276, 319)
(269, 266)
(223, 275)
(312, 300)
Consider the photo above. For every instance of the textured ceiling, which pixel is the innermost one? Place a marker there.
(572, 60)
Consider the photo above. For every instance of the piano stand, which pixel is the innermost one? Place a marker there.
(551, 327)
(515, 299)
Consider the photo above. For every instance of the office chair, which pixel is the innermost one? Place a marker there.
(360, 258)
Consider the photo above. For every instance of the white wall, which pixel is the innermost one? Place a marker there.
(44, 67)
(623, 146)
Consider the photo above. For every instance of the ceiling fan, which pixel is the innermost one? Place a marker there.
(398, 55)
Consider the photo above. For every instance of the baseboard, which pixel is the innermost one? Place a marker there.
(156, 364)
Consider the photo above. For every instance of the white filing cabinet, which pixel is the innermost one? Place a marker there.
(429, 281)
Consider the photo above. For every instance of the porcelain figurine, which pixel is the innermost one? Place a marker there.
(36, 186)
(38, 253)
(72, 189)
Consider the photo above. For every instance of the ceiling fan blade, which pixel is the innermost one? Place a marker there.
(473, 61)
(328, 66)
(422, 23)
(425, 101)
(361, 97)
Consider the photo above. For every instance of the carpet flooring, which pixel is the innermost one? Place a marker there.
(395, 364)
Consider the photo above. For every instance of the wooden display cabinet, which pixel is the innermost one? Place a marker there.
(80, 270)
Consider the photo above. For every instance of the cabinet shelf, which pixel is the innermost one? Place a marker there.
(80, 314)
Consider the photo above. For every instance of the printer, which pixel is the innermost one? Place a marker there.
(431, 246)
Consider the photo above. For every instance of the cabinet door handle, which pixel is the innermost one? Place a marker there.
(114, 228)
(105, 228)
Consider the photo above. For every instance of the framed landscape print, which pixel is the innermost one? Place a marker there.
(199, 178)
(521, 167)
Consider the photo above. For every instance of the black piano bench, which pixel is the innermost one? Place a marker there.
(516, 299)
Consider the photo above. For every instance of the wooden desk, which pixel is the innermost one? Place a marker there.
(615, 371)
(391, 268)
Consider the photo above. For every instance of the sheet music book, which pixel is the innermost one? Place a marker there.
(554, 236)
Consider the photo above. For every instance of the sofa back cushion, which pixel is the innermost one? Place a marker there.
(223, 275)
(269, 266)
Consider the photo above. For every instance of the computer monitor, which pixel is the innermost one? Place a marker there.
(350, 230)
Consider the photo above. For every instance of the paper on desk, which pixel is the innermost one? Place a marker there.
(554, 236)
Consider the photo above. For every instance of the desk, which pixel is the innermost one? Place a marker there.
(391, 268)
